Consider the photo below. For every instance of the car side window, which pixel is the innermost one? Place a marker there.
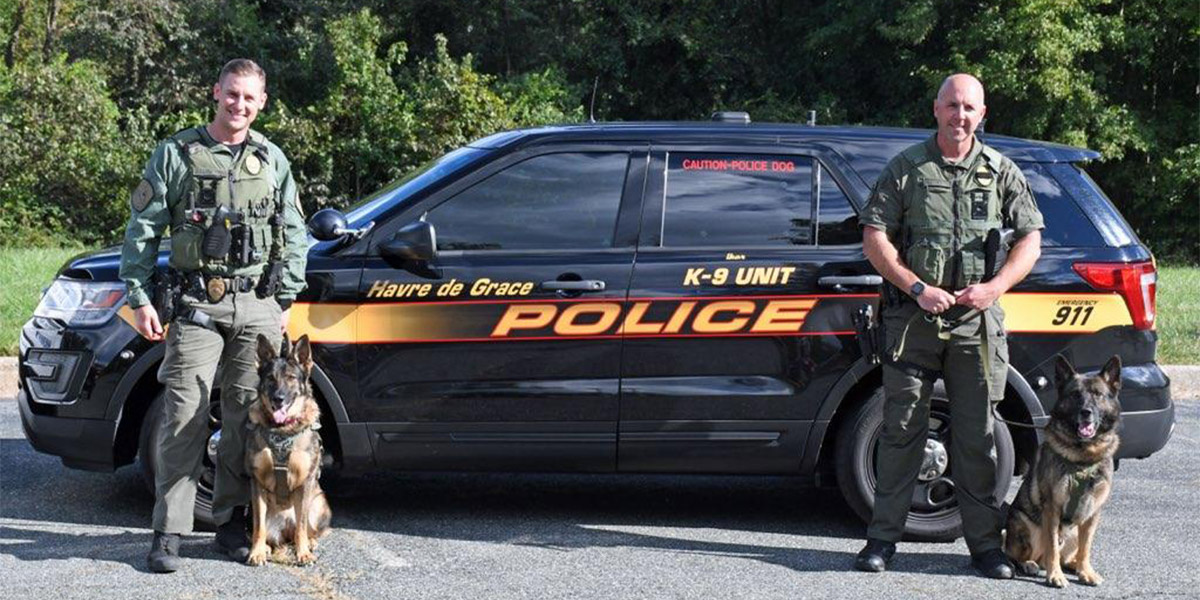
(737, 200)
(837, 223)
(547, 202)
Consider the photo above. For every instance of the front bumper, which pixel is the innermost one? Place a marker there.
(81, 443)
(73, 387)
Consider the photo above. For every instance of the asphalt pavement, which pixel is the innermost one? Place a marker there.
(70, 534)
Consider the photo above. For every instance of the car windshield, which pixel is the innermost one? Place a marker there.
(371, 207)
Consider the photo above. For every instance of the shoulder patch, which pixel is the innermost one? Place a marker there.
(141, 196)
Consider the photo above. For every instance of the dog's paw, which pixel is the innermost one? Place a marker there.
(1056, 579)
(1029, 568)
(305, 558)
(1089, 577)
(258, 557)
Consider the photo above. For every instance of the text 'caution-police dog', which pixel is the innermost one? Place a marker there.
(283, 456)
(1053, 519)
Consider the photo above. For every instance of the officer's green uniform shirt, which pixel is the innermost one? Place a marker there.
(168, 177)
(886, 206)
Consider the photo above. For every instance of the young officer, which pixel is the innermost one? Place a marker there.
(238, 249)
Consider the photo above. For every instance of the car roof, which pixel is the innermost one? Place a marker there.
(860, 141)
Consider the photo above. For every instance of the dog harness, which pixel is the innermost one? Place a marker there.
(281, 445)
(1080, 483)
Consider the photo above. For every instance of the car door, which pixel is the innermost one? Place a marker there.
(495, 353)
(748, 268)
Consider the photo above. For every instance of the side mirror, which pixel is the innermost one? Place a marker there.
(415, 242)
(329, 224)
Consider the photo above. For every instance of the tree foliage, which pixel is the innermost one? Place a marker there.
(363, 90)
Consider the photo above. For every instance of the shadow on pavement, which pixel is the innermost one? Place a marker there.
(55, 513)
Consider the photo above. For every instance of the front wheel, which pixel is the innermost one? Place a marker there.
(146, 462)
(934, 514)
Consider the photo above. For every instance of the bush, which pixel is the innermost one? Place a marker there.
(66, 166)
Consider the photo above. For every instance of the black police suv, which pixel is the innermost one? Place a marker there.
(635, 298)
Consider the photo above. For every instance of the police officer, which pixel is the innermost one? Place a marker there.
(238, 251)
(924, 230)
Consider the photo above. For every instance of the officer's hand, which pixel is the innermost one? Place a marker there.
(978, 296)
(283, 320)
(935, 300)
(145, 321)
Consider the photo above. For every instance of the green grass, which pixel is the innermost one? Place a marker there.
(1179, 315)
(23, 274)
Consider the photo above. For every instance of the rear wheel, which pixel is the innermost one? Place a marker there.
(934, 514)
(146, 461)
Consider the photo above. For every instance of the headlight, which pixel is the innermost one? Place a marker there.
(81, 303)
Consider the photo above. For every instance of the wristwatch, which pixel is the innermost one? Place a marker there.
(917, 289)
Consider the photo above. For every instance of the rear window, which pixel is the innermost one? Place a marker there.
(1092, 201)
(1066, 224)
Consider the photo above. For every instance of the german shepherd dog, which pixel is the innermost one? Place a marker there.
(283, 456)
(1053, 519)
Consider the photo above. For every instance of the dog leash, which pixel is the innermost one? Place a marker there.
(996, 414)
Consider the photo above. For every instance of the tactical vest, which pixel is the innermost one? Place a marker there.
(252, 208)
(945, 222)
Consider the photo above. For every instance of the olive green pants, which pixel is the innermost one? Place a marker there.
(193, 353)
(965, 361)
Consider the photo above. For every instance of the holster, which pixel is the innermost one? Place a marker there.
(870, 334)
(165, 298)
(995, 251)
(271, 280)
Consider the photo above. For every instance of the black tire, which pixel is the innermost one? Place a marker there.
(855, 465)
(204, 487)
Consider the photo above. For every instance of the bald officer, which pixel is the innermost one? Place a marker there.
(924, 230)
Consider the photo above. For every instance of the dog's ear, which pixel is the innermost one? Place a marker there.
(266, 350)
(1111, 373)
(285, 347)
(303, 353)
(1063, 371)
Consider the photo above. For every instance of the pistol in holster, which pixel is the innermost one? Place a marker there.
(870, 334)
(165, 298)
(271, 280)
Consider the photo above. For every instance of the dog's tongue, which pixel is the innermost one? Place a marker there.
(1087, 430)
(280, 416)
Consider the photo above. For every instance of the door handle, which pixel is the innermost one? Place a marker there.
(843, 283)
(587, 285)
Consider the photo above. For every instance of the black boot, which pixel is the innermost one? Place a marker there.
(232, 538)
(164, 553)
(993, 564)
(875, 556)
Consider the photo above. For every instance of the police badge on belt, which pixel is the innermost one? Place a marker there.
(215, 287)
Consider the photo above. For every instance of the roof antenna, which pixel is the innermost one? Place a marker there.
(592, 105)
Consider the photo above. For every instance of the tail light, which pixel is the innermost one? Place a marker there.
(1135, 282)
